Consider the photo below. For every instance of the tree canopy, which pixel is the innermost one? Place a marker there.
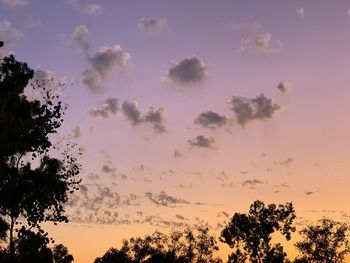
(325, 242)
(186, 246)
(34, 186)
(250, 234)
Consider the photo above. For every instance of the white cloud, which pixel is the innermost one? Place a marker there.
(300, 11)
(8, 34)
(260, 44)
(80, 35)
(93, 9)
(153, 26)
(103, 62)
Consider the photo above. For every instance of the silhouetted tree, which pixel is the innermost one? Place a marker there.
(33, 185)
(32, 247)
(61, 254)
(325, 242)
(179, 247)
(250, 234)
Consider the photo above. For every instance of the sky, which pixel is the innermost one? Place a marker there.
(188, 111)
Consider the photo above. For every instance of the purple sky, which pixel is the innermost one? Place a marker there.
(186, 109)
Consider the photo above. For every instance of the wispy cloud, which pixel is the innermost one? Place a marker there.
(91, 9)
(260, 44)
(153, 26)
(300, 11)
(202, 142)
(109, 108)
(8, 34)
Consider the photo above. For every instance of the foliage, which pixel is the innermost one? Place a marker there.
(179, 247)
(250, 234)
(325, 242)
(33, 185)
(61, 255)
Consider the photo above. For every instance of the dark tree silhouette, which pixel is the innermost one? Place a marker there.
(33, 185)
(179, 247)
(61, 254)
(325, 242)
(250, 234)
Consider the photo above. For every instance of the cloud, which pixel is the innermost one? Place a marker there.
(93, 9)
(153, 26)
(260, 44)
(156, 117)
(177, 153)
(8, 34)
(203, 142)
(284, 86)
(77, 132)
(210, 120)
(107, 169)
(163, 199)
(109, 108)
(80, 35)
(249, 109)
(300, 11)
(252, 183)
(286, 162)
(102, 64)
(15, 3)
(131, 111)
(188, 71)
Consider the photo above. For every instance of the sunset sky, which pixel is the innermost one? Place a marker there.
(188, 111)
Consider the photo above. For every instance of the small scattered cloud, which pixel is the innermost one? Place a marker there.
(156, 117)
(107, 169)
(309, 193)
(260, 44)
(177, 153)
(103, 62)
(8, 34)
(210, 119)
(131, 111)
(252, 183)
(80, 36)
(163, 199)
(284, 86)
(153, 26)
(300, 11)
(188, 71)
(109, 108)
(91, 9)
(348, 12)
(202, 142)
(286, 162)
(249, 109)
(77, 132)
(15, 3)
